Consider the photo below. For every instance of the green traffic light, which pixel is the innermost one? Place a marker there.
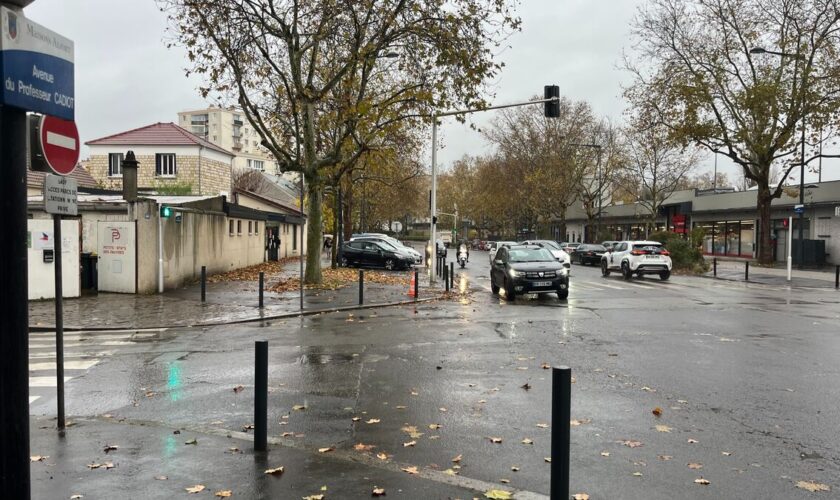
(165, 212)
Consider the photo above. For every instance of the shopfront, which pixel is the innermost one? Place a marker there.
(729, 238)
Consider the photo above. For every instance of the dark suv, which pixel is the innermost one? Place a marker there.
(528, 269)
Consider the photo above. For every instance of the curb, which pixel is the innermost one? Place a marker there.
(830, 286)
(307, 312)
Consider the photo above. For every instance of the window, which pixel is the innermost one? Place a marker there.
(239, 227)
(256, 228)
(250, 227)
(165, 165)
(256, 165)
(231, 227)
(115, 164)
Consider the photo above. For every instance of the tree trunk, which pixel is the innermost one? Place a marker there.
(765, 243)
(562, 226)
(314, 233)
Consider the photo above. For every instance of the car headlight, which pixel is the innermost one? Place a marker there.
(564, 272)
(514, 273)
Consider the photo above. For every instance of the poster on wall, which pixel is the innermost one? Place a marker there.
(42, 240)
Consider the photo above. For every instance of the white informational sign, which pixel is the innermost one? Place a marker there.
(42, 240)
(117, 247)
(60, 195)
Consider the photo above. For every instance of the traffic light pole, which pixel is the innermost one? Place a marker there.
(433, 200)
(160, 250)
(14, 310)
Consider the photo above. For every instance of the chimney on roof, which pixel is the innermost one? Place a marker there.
(129, 177)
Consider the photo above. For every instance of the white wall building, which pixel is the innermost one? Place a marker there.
(229, 129)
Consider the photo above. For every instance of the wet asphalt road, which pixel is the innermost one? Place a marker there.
(747, 371)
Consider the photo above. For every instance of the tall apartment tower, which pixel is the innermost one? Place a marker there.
(228, 129)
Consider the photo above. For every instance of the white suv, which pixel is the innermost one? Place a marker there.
(637, 257)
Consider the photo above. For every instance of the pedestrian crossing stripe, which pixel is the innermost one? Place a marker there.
(68, 365)
(45, 381)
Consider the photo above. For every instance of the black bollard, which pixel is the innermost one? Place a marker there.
(837, 277)
(203, 283)
(747, 271)
(446, 278)
(416, 285)
(452, 276)
(361, 287)
(261, 396)
(262, 283)
(715, 265)
(561, 406)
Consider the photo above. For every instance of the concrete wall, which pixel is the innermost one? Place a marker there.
(41, 274)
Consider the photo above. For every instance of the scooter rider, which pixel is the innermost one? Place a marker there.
(464, 248)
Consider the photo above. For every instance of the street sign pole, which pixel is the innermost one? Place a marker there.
(14, 314)
(59, 323)
(789, 247)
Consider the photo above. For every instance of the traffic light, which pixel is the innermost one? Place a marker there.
(552, 108)
(165, 212)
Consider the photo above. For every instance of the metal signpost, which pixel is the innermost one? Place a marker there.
(36, 74)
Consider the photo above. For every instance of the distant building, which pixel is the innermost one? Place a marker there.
(228, 129)
(172, 161)
(35, 180)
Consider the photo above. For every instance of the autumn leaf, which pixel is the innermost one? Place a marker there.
(514, 468)
(410, 443)
(275, 471)
(108, 465)
(496, 440)
(542, 426)
(234, 449)
(195, 489)
(637, 474)
(457, 459)
(632, 444)
(247, 427)
(223, 493)
(692, 441)
(238, 389)
(326, 450)
(545, 366)
(605, 453)
(450, 472)
(580, 496)
(665, 457)
(373, 421)
(299, 407)
(314, 497)
(726, 453)
(526, 386)
(76, 497)
(363, 447)
(498, 495)
(38, 458)
(110, 447)
(663, 428)
(410, 470)
(435, 426)
(191, 441)
(527, 441)
(161, 478)
(382, 456)
(702, 481)
(812, 486)
(92, 466)
(576, 422)
(504, 481)
(695, 465)
(378, 492)
(657, 411)
(547, 460)
(356, 419)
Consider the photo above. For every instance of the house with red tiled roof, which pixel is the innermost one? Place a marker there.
(172, 161)
(35, 181)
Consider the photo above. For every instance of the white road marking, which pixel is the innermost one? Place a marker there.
(68, 365)
(44, 381)
(32, 399)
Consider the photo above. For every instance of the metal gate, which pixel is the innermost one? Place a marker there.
(117, 268)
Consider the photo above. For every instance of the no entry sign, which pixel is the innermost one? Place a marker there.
(59, 140)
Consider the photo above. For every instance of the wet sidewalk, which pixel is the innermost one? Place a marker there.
(155, 462)
(735, 270)
(226, 301)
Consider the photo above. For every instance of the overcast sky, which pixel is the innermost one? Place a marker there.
(127, 78)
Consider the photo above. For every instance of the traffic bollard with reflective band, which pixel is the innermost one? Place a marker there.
(261, 396)
(561, 406)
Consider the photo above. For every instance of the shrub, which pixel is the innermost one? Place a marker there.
(685, 253)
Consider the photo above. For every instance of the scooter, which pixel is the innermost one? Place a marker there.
(462, 258)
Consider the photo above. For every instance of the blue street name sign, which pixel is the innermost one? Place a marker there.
(36, 66)
(800, 209)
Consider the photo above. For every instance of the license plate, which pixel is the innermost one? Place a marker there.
(651, 256)
(542, 283)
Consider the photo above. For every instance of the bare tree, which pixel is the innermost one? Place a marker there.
(247, 179)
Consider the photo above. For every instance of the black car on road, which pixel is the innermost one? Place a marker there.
(588, 254)
(370, 253)
(526, 269)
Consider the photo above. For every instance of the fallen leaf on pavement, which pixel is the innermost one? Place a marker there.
(504, 481)
(812, 486)
(695, 465)
(195, 489)
(247, 427)
(410, 443)
(692, 441)
(410, 470)
(108, 465)
(325, 450)
(356, 419)
(442, 409)
(450, 472)
(373, 421)
(191, 441)
(637, 474)
(38, 458)
(435, 426)
(577, 422)
(726, 453)
(605, 453)
(382, 456)
(665, 457)
(457, 459)
(238, 389)
(223, 493)
(299, 407)
(161, 478)
(110, 447)
(314, 497)
(648, 389)
(401, 407)
(542, 426)
(527, 441)
(580, 496)
(498, 495)
(514, 468)
(702, 481)
(234, 449)
(93, 466)
(76, 497)
(287, 434)
(657, 411)
(663, 428)
(496, 440)
(527, 386)
(631, 444)
(547, 460)
(377, 491)
(363, 447)
(275, 471)
(545, 366)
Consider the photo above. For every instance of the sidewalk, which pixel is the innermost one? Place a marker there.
(154, 462)
(734, 270)
(228, 301)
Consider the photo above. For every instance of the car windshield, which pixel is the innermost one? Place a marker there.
(530, 255)
(386, 245)
(649, 247)
(551, 245)
(596, 248)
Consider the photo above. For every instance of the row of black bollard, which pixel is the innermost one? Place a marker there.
(261, 396)
(262, 285)
(261, 298)
(361, 287)
(561, 412)
(452, 276)
(747, 271)
(714, 264)
(446, 278)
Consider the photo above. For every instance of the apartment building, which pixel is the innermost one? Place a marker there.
(229, 129)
